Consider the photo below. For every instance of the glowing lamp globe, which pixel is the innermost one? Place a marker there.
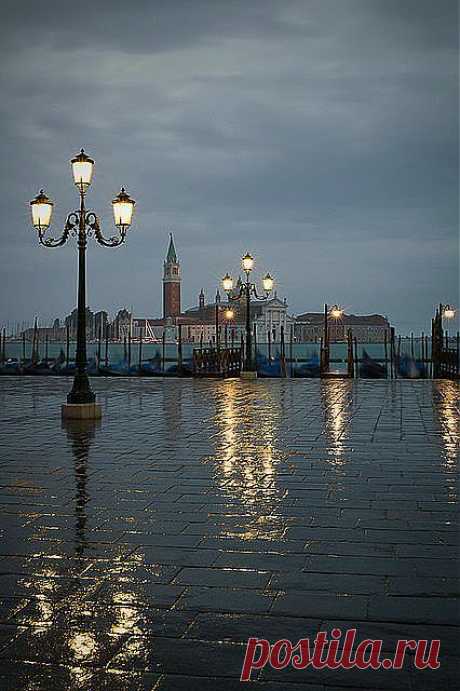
(82, 170)
(336, 312)
(449, 312)
(267, 283)
(123, 208)
(227, 282)
(42, 209)
(247, 262)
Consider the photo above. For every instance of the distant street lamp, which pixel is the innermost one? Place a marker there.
(228, 315)
(81, 401)
(247, 291)
(448, 312)
(335, 312)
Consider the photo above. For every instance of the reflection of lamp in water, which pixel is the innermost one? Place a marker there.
(246, 457)
(336, 417)
(83, 630)
(445, 402)
(81, 434)
(84, 633)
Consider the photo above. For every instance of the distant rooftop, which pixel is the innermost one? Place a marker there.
(318, 317)
(171, 257)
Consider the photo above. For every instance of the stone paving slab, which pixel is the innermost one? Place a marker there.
(141, 552)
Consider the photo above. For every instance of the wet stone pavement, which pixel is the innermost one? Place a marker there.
(142, 552)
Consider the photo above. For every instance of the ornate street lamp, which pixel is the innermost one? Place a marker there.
(81, 401)
(247, 291)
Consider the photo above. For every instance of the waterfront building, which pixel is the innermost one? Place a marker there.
(121, 326)
(44, 332)
(365, 328)
(71, 323)
(101, 324)
(268, 317)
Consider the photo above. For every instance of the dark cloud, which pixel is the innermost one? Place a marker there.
(320, 134)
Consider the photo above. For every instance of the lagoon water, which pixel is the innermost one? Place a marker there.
(301, 352)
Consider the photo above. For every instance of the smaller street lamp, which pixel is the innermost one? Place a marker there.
(448, 312)
(228, 315)
(335, 312)
(247, 291)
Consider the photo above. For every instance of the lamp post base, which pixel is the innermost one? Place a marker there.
(248, 374)
(81, 411)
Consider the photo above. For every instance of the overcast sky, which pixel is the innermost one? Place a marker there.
(320, 135)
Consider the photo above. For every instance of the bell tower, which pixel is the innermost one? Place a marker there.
(171, 282)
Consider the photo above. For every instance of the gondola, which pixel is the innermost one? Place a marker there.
(11, 366)
(308, 370)
(42, 368)
(117, 369)
(409, 368)
(370, 368)
(268, 368)
(185, 371)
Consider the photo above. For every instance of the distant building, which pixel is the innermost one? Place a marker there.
(71, 322)
(121, 326)
(101, 324)
(44, 332)
(267, 316)
(365, 328)
(152, 329)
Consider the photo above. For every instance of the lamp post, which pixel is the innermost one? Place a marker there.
(335, 312)
(81, 401)
(247, 291)
(228, 315)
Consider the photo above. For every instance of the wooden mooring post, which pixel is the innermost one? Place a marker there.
(141, 335)
(67, 344)
(179, 351)
(350, 358)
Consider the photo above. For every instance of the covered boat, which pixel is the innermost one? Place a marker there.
(370, 368)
